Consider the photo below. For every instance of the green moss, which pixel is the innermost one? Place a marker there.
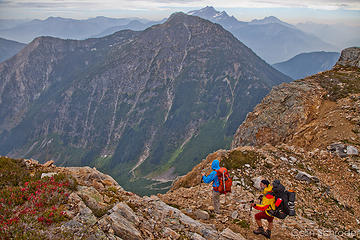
(113, 189)
(62, 177)
(238, 159)
(355, 130)
(100, 212)
(174, 205)
(13, 172)
(132, 206)
(339, 84)
(268, 165)
(300, 166)
(242, 223)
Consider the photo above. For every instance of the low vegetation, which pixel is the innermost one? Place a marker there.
(238, 159)
(340, 84)
(29, 203)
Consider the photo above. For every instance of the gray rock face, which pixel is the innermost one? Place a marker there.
(92, 198)
(256, 181)
(303, 176)
(124, 228)
(338, 148)
(351, 150)
(230, 235)
(124, 210)
(48, 175)
(343, 150)
(200, 214)
(279, 114)
(350, 57)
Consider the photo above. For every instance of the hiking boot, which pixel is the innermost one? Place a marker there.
(267, 234)
(260, 230)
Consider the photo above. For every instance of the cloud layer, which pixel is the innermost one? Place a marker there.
(160, 4)
(293, 10)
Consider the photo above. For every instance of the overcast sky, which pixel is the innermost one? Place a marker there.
(292, 11)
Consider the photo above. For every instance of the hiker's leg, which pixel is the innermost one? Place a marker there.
(258, 222)
(258, 218)
(216, 201)
(227, 198)
(270, 225)
(260, 229)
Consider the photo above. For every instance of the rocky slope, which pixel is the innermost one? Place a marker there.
(311, 113)
(92, 205)
(95, 207)
(134, 102)
(305, 134)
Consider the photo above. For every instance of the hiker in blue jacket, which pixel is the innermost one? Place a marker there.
(212, 177)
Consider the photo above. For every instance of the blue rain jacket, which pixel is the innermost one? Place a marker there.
(212, 177)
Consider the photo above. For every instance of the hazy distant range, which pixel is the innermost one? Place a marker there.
(270, 38)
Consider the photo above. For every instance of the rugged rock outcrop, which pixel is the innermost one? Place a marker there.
(326, 186)
(313, 112)
(98, 208)
(350, 57)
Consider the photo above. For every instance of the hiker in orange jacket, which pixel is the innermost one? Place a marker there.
(267, 203)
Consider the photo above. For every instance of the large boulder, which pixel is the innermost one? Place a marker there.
(350, 57)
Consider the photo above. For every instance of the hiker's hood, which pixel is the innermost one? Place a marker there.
(215, 164)
(267, 189)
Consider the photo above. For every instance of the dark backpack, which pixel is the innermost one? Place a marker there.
(284, 201)
(225, 181)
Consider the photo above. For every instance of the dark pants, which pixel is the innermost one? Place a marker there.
(263, 215)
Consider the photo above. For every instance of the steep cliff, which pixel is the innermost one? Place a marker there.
(150, 103)
(312, 112)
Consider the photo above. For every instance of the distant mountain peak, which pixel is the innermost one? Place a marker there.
(177, 16)
(269, 20)
(57, 19)
(206, 11)
(210, 13)
(272, 18)
(265, 20)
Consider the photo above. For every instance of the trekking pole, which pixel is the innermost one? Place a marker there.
(251, 202)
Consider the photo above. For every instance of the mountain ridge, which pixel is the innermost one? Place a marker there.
(129, 94)
(275, 33)
(88, 203)
(306, 64)
(9, 48)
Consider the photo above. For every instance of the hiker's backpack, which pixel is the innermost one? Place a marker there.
(284, 201)
(225, 181)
